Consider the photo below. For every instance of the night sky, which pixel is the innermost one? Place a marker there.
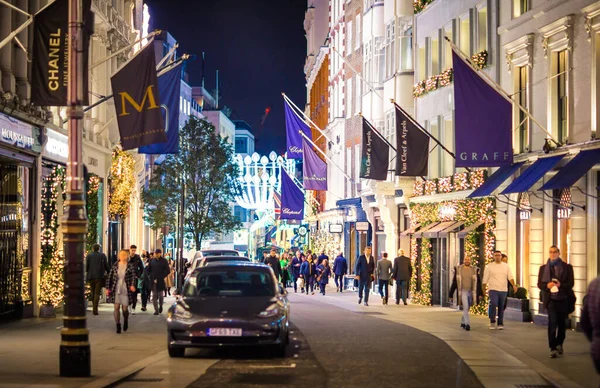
(259, 48)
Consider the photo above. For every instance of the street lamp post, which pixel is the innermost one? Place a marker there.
(74, 346)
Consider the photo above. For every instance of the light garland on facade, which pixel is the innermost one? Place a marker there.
(420, 5)
(418, 188)
(52, 282)
(322, 240)
(457, 182)
(461, 181)
(122, 182)
(92, 208)
(445, 78)
(469, 211)
(445, 185)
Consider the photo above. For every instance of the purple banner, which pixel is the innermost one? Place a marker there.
(314, 170)
(483, 126)
(293, 126)
(292, 199)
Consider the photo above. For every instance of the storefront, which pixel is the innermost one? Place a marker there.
(19, 147)
(357, 230)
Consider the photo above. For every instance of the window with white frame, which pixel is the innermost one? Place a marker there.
(368, 61)
(464, 30)
(356, 175)
(349, 172)
(434, 54)
(358, 40)
(349, 37)
(390, 128)
(434, 149)
(482, 28)
(560, 61)
(406, 51)
(520, 7)
(378, 60)
(448, 33)
(421, 63)
(349, 96)
(521, 95)
(358, 99)
(389, 48)
(448, 141)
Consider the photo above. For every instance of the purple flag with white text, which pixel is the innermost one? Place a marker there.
(293, 126)
(314, 170)
(292, 199)
(483, 126)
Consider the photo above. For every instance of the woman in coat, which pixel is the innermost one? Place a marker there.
(307, 272)
(285, 263)
(170, 277)
(323, 274)
(121, 288)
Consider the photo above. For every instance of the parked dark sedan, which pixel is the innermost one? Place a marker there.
(229, 304)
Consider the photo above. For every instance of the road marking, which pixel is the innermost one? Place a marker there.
(291, 366)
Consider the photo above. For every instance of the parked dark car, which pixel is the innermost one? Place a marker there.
(201, 255)
(229, 304)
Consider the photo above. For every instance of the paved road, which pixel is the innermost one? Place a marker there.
(334, 347)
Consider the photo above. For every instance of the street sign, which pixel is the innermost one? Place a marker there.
(362, 226)
(336, 228)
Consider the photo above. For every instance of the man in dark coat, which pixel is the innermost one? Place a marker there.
(340, 268)
(295, 268)
(555, 281)
(158, 269)
(138, 264)
(402, 273)
(273, 261)
(322, 257)
(365, 268)
(590, 319)
(96, 267)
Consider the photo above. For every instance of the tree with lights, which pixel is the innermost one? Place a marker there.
(205, 167)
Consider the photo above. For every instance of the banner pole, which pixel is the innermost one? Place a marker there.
(498, 88)
(307, 119)
(9, 5)
(16, 32)
(327, 157)
(378, 133)
(128, 47)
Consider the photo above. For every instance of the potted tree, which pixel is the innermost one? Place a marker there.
(52, 286)
(517, 305)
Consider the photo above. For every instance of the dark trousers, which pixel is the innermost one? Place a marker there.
(145, 297)
(384, 287)
(557, 323)
(339, 282)
(295, 282)
(401, 290)
(135, 295)
(157, 298)
(322, 286)
(364, 288)
(309, 282)
(96, 287)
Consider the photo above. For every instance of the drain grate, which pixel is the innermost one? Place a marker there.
(534, 386)
(369, 312)
(145, 380)
(262, 378)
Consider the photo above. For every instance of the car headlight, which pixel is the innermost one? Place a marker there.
(271, 311)
(180, 313)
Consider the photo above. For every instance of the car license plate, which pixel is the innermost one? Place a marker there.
(224, 332)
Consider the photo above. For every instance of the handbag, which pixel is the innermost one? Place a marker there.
(302, 283)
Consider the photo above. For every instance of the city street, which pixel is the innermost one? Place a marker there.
(335, 343)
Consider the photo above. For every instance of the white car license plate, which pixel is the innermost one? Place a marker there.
(224, 332)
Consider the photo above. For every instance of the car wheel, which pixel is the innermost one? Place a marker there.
(176, 352)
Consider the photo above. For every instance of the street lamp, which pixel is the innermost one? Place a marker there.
(74, 356)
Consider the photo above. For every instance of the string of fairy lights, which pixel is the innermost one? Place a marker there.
(122, 183)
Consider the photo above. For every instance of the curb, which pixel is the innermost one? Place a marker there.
(114, 378)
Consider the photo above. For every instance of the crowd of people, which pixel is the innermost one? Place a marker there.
(150, 274)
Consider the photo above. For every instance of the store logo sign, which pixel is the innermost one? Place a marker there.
(57, 145)
(18, 139)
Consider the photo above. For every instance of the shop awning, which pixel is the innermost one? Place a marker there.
(469, 229)
(419, 234)
(410, 230)
(533, 174)
(495, 180)
(452, 228)
(434, 232)
(574, 170)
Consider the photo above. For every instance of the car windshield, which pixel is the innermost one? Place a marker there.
(230, 282)
(220, 253)
(225, 258)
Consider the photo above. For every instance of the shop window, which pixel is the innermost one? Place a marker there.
(406, 51)
(523, 238)
(562, 222)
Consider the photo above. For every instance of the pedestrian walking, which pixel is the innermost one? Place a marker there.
(169, 279)
(505, 260)
(494, 278)
(158, 269)
(121, 288)
(467, 283)
(365, 268)
(145, 286)
(323, 274)
(138, 264)
(590, 319)
(340, 268)
(96, 268)
(307, 272)
(322, 257)
(284, 263)
(402, 274)
(556, 281)
(295, 269)
(384, 274)
(273, 261)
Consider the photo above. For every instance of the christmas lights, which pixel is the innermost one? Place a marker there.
(431, 83)
(122, 182)
(430, 187)
(419, 89)
(418, 188)
(419, 5)
(445, 185)
(476, 178)
(461, 181)
(52, 282)
(446, 77)
(480, 60)
(91, 204)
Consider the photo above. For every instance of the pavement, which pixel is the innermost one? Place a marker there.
(334, 343)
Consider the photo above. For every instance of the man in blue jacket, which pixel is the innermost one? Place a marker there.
(295, 266)
(340, 268)
(365, 268)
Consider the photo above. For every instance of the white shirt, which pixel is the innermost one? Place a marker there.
(496, 276)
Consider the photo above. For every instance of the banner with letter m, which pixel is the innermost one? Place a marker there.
(137, 101)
